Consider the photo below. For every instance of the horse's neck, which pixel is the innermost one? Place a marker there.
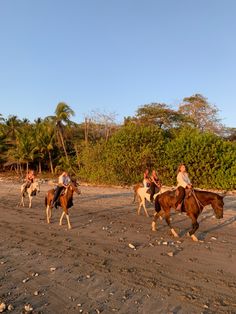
(69, 193)
(35, 185)
(204, 197)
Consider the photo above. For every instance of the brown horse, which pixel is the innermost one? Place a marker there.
(65, 201)
(193, 206)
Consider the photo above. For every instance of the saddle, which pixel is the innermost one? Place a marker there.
(188, 193)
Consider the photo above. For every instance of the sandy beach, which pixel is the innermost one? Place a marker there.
(111, 261)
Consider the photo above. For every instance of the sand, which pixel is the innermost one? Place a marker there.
(111, 261)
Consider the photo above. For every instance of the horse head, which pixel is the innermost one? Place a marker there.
(35, 186)
(74, 186)
(218, 206)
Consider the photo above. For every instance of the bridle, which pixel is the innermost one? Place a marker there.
(200, 205)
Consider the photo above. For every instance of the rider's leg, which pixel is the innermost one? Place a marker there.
(152, 188)
(56, 194)
(180, 198)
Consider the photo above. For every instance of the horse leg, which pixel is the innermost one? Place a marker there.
(144, 207)
(139, 208)
(140, 205)
(68, 221)
(22, 201)
(62, 215)
(154, 222)
(67, 218)
(167, 217)
(48, 213)
(195, 226)
(30, 201)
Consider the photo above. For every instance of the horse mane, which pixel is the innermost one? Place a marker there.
(208, 193)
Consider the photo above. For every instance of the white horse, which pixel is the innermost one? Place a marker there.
(31, 191)
(142, 194)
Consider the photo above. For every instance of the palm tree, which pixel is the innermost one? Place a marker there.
(24, 150)
(63, 113)
(45, 136)
(12, 125)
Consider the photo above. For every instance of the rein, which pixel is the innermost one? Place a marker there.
(197, 200)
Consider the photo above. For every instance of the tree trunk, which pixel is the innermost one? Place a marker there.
(50, 160)
(40, 166)
(77, 154)
(63, 145)
(86, 129)
(21, 170)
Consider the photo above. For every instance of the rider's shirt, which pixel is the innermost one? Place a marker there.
(183, 179)
(64, 180)
(30, 178)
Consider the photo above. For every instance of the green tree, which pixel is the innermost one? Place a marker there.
(63, 113)
(210, 160)
(24, 150)
(45, 141)
(200, 113)
(160, 115)
(132, 149)
(12, 125)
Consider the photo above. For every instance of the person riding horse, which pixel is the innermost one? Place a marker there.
(63, 182)
(29, 179)
(155, 184)
(183, 185)
(146, 179)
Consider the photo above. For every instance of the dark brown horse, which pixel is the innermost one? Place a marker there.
(65, 201)
(193, 206)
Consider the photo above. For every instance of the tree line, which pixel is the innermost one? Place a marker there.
(99, 150)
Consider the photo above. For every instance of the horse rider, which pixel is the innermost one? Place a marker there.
(155, 184)
(146, 179)
(183, 185)
(63, 182)
(29, 179)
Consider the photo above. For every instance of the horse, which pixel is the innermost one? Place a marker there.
(194, 204)
(64, 200)
(142, 194)
(32, 190)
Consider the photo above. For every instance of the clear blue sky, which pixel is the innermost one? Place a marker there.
(115, 55)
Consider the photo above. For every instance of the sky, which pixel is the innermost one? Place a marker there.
(113, 56)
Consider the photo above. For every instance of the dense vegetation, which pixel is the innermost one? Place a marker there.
(101, 151)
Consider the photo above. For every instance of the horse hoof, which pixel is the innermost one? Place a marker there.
(175, 234)
(154, 226)
(194, 238)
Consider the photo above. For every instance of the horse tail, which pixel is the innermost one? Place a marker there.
(135, 188)
(135, 195)
(46, 200)
(157, 204)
